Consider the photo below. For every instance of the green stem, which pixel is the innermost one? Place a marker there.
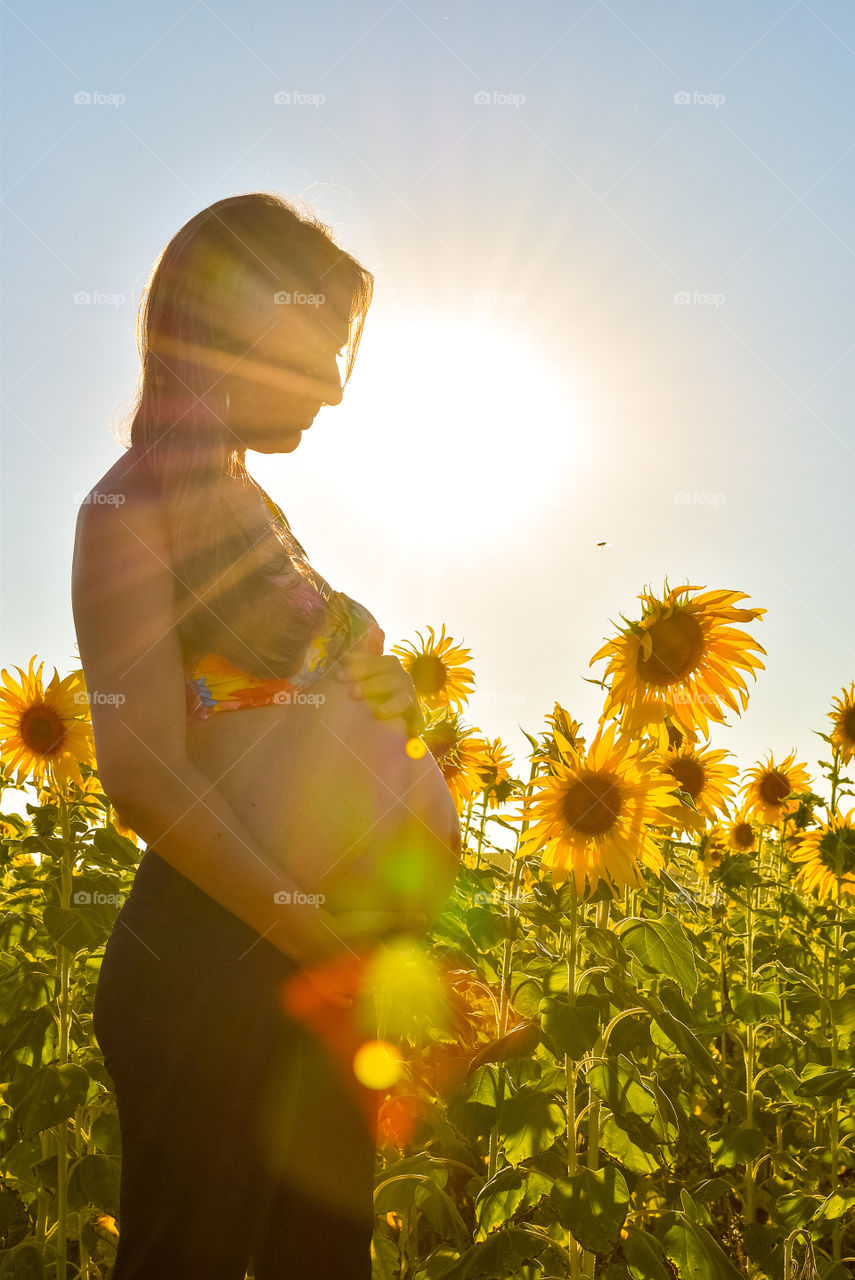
(835, 779)
(468, 821)
(749, 1055)
(507, 951)
(83, 1214)
(723, 974)
(66, 872)
(43, 1198)
(834, 1118)
(781, 841)
(573, 1245)
(481, 830)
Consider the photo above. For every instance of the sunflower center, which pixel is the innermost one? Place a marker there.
(678, 646)
(743, 835)
(774, 787)
(838, 847)
(440, 739)
(690, 775)
(42, 729)
(592, 804)
(429, 673)
(847, 724)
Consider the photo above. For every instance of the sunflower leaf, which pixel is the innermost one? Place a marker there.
(693, 1250)
(734, 1145)
(592, 1205)
(662, 945)
(529, 1122)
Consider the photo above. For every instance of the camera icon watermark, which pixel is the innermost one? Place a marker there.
(297, 98)
(94, 697)
(287, 298)
(682, 697)
(683, 298)
(83, 898)
(489, 898)
(98, 497)
(684, 99)
(284, 897)
(491, 298)
(495, 98)
(501, 697)
(683, 498)
(97, 298)
(286, 697)
(95, 98)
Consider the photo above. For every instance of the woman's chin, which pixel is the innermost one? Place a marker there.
(281, 441)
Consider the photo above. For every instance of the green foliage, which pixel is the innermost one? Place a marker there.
(618, 1080)
(592, 1205)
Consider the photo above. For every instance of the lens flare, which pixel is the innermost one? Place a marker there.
(377, 1064)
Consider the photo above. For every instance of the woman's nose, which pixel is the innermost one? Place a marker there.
(332, 388)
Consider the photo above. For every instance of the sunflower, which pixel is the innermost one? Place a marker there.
(767, 787)
(45, 733)
(563, 738)
(437, 671)
(460, 754)
(590, 816)
(842, 717)
(711, 849)
(740, 833)
(493, 771)
(92, 804)
(681, 659)
(703, 776)
(825, 853)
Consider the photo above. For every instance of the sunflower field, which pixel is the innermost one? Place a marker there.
(626, 1050)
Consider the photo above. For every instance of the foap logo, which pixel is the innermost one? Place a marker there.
(284, 897)
(493, 898)
(684, 697)
(682, 98)
(501, 697)
(83, 898)
(494, 98)
(685, 498)
(289, 298)
(95, 98)
(85, 298)
(95, 697)
(682, 298)
(99, 498)
(297, 98)
(491, 298)
(286, 697)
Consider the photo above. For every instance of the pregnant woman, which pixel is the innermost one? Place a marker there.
(249, 727)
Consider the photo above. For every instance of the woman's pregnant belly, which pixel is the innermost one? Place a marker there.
(329, 793)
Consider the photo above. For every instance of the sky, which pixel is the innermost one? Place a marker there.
(613, 257)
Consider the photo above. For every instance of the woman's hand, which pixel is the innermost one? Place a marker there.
(335, 964)
(386, 687)
(370, 925)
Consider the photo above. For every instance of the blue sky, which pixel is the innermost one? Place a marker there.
(614, 263)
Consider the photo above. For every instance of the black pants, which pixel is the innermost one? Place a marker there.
(246, 1139)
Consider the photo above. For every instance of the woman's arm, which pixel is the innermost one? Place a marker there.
(122, 597)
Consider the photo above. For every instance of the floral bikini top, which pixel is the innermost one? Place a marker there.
(215, 684)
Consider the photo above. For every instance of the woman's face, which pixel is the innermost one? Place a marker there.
(280, 370)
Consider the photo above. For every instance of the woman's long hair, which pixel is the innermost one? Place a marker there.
(224, 541)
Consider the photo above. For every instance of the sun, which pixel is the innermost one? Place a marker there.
(452, 431)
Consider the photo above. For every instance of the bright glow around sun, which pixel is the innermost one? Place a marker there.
(452, 429)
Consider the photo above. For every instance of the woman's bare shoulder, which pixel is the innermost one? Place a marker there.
(120, 526)
(125, 481)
